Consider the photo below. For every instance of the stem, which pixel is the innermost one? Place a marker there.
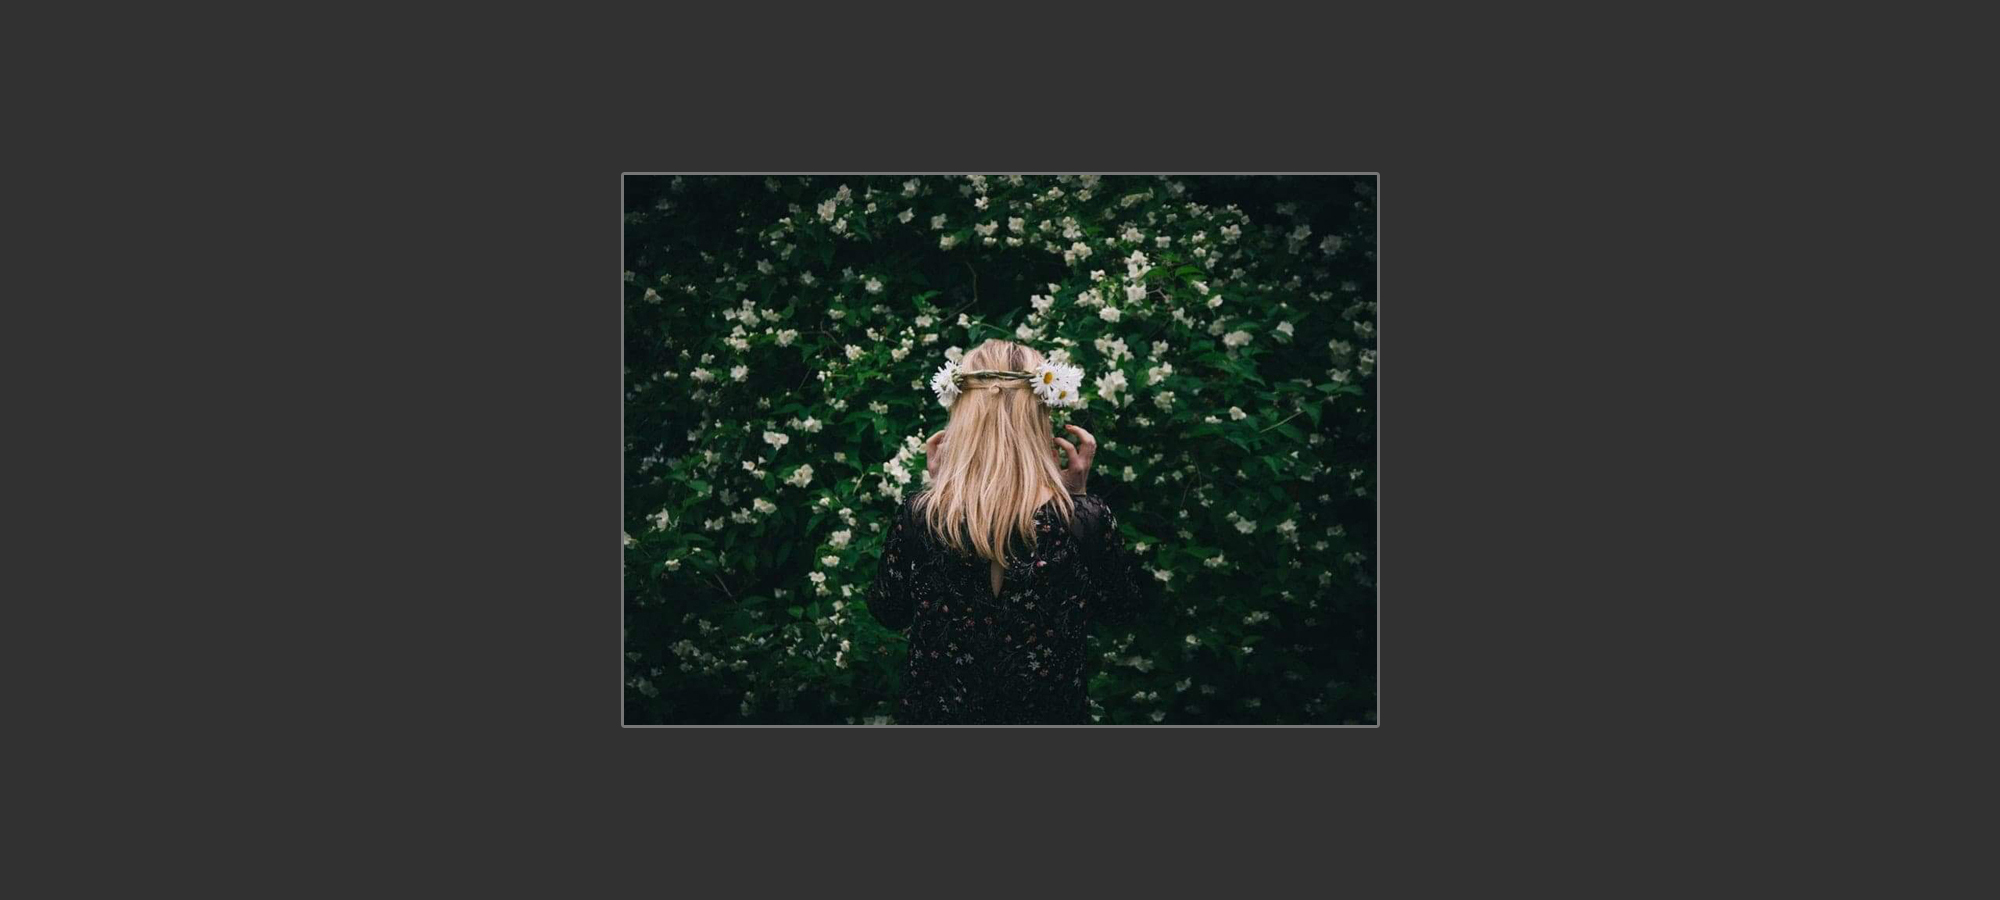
(1281, 421)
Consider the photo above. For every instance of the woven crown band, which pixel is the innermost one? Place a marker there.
(960, 377)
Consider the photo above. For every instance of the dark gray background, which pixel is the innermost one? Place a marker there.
(346, 356)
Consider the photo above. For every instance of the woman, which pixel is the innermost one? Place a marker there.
(1002, 565)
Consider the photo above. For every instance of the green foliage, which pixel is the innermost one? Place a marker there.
(780, 334)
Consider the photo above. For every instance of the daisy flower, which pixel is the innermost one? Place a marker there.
(1058, 385)
(942, 384)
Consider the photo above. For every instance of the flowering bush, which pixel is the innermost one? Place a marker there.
(781, 335)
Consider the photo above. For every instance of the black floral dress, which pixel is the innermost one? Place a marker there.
(1016, 658)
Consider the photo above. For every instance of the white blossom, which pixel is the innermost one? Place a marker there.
(1137, 265)
(1109, 384)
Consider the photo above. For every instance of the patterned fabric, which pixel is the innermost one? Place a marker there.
(1018, 657)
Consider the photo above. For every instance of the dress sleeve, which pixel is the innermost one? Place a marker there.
(1124, 588)
(889, 598)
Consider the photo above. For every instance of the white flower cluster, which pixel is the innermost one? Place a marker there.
(896, 472)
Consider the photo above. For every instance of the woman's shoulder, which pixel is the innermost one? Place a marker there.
(1091, 502)
(1090, 514)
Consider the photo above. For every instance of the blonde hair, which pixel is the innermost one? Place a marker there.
(997, 458)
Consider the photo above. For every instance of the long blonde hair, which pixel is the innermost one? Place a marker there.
(997, 458)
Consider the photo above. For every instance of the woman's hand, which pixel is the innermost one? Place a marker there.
(930, 453)
(1077, 473)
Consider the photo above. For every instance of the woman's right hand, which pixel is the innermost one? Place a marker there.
(1076, 475)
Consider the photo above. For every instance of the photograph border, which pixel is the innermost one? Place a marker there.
(620, 655)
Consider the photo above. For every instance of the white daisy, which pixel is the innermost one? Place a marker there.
(1058, 385)
(942, 384)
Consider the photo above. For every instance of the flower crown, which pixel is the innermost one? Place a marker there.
(1058, 386)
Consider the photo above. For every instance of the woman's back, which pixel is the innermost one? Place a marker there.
(1015, 656)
